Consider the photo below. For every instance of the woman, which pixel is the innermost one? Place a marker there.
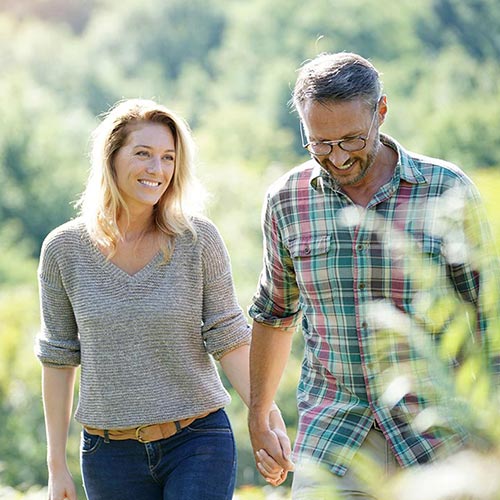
(139, 293)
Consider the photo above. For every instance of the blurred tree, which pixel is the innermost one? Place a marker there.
(22, 449)
(53, 60)
(163, 34)
(42, 157)
(454, 110)
(467, 141)
(22, 440)
(263, 45)
(74, 13)
(17, 265)
(473, 24)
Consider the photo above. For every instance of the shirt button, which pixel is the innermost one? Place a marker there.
(362, 286)
(307, 250)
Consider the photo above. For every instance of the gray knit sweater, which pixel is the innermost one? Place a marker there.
(146, 343)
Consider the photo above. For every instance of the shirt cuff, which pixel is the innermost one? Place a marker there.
(274, 321)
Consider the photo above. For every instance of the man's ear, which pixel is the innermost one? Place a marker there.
(382, 109)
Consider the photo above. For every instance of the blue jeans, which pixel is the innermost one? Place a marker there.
(199, 462)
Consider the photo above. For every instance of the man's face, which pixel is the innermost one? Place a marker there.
(341, 121)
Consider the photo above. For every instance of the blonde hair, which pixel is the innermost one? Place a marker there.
(101, 204)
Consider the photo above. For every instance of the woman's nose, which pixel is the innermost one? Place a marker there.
(154, 164)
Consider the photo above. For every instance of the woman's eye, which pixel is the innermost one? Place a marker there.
(142, 153)
(168, 158)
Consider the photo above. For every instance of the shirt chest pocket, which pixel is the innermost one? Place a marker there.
(311, 256)
(309, 246)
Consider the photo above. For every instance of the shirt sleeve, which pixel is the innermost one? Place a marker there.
(224, 325)
(57, 343)
(276, 302)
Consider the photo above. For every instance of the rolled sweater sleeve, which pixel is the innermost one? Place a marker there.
(57, 343)
(224, 325)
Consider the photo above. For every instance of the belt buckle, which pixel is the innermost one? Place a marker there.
(138, 434)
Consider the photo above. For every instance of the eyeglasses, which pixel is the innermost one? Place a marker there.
(352, 144)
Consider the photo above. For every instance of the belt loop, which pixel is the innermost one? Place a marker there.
(177, 426)
(106, 436)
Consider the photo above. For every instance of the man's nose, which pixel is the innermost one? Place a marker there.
(338, 156)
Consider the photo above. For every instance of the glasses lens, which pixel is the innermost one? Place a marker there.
(319, 148)
(353, 144)
(325, 148)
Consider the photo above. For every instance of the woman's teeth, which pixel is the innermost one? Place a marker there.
(149, 183)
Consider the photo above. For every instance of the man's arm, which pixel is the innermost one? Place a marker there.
(236, 367)
(269, 354)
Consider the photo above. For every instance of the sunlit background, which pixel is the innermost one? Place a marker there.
(227, 66)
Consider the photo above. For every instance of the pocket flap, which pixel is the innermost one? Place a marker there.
(306, 246)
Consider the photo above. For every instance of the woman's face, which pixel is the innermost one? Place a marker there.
(144, 165)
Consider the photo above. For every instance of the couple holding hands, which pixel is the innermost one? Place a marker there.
(137, 291)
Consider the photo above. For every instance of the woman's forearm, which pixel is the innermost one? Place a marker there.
(58, 388)
(236, 367)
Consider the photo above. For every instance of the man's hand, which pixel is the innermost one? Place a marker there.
(271, 446)
(269, 353)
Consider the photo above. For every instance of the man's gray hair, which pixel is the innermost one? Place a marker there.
(342, 76)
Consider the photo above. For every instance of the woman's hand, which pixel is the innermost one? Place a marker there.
(61, 486)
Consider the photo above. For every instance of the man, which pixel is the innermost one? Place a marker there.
(356, 242)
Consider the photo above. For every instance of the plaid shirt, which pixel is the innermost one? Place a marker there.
(354, 277)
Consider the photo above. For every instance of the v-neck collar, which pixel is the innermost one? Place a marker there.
(116, 271)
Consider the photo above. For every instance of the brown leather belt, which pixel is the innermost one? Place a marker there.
(145, 433)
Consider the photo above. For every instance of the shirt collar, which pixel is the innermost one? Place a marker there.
(407, 168)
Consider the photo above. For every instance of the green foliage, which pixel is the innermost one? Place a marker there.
(42, 157)
(16, 264)
(22, 440)
(488, 182)
(449, 114)
(473, 24)
(164, 34)
(34, 493)
(73, 13)
(22, 449)
(446, 352)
